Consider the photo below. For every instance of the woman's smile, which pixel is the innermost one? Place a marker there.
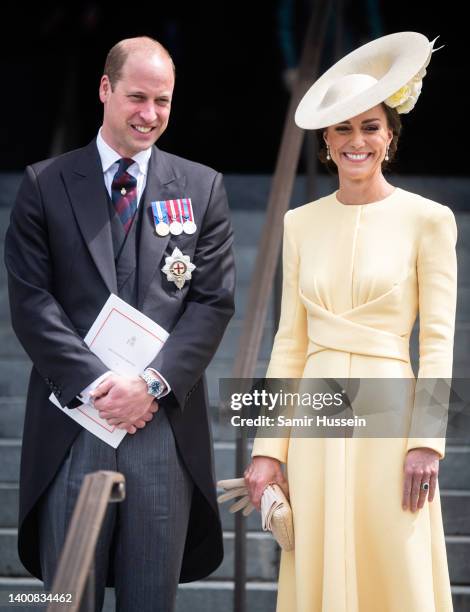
(356, 157)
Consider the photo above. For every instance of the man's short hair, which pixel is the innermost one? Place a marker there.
(118, 55)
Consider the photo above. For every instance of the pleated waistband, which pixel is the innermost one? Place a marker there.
(327, 330)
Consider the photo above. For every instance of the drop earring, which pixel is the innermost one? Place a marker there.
(328, 156)
(386, 155)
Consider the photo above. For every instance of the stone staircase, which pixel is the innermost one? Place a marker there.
(216, 592)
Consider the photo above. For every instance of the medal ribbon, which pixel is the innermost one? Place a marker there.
(159, 212)
(187, 209)
(172, 213)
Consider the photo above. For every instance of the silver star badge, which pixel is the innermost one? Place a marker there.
(178, 268)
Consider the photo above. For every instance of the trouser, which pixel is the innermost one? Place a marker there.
(142, 538)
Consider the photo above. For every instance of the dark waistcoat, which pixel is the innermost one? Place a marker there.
(126, 248)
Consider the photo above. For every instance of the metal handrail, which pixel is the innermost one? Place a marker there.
(75, 572)
(268, 255)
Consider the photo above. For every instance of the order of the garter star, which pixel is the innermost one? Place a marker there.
(178, 268)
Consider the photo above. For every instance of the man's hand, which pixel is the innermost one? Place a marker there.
(421, 466)
(124, 402)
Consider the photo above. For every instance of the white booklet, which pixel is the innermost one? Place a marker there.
(126, 341)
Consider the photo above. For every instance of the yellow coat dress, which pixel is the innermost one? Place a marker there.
(354, 279)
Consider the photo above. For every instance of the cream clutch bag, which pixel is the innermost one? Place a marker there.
(276, 513)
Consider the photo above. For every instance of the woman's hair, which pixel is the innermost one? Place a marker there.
(393, 122)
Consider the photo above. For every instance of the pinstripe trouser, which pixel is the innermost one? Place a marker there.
(142, 537)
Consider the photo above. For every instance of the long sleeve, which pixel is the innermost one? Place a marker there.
(45, 331)
(290, 344)
(437, 282)
(209, 303)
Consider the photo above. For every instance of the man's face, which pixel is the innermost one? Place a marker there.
(137, 110)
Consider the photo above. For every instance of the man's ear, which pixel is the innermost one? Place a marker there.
(105, 88)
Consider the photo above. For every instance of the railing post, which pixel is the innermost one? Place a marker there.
(87, 603)
(268, 255)
(75, 572)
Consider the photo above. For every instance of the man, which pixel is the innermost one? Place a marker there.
(83, 228)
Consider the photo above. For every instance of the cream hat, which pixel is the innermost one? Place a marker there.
(389, 69)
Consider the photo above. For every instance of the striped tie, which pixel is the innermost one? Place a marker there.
(124, 193)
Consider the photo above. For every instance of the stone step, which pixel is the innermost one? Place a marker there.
(222, 368)
(248, 193)
(454, 470)
(203, 596)
(15, 368)
(195, 596)
(12, 411)
(10, 564)
(4, 303)
(458, 557)
(245, 257)
(14, 376)
(211, 595)
(9, 497)
(455, 511)
(263, 555)
(12, 353)
(10, 453)
(229, 345)
(9, 344)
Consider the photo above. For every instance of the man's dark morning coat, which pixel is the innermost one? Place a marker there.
(61, 271)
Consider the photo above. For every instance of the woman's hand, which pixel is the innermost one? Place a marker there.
(421, 466)
(261, 472)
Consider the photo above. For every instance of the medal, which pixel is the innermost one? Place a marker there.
(189, 227)
(123, 191)
(176, 227)
(161, 227)
(178, 268)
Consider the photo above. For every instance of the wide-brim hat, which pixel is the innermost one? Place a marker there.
(388, 69)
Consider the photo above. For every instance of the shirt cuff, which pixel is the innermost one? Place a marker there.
(85, 394)
(164, 381)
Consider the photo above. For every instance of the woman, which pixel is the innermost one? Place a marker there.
(358, 265)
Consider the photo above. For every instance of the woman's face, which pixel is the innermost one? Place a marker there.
(359, 145)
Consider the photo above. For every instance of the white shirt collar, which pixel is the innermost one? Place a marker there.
(109, 156)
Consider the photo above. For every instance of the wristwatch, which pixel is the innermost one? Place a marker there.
(154, 386)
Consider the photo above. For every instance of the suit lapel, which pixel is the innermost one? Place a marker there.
(85, 185)
(162, 184)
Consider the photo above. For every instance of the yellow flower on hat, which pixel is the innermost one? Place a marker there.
(409, 103)
(406, 97)
(399, 97)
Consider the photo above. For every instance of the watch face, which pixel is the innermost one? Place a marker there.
(154, 387)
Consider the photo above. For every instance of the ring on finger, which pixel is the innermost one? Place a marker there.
(425, 486)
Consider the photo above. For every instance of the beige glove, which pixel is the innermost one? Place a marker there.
(236, 487)
(276, 514)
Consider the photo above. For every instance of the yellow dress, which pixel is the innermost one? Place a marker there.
(355, 277)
